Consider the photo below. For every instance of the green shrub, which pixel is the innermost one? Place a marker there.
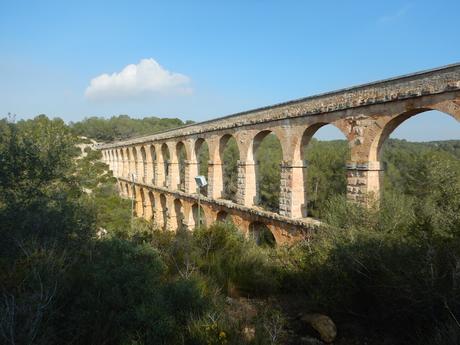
(231, 260)
(386, 270)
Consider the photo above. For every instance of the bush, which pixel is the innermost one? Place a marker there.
(120, 294)
(232, 261)
(385, 270)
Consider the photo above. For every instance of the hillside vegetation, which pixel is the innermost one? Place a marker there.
(122, 127)
(388, 276)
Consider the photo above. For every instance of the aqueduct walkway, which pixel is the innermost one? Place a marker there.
(365, 114)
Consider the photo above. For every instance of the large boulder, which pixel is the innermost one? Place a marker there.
(322, 324)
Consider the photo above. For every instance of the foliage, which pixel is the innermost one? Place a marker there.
(230, 159)
(268, 158)
(122, 127)
(392, 273)
(121, 295)
(395, 271)
(59, 283)
(326, 172)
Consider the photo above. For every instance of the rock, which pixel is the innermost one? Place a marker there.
(249, 333)
(323, 325)
(101, 232)
(310, 341)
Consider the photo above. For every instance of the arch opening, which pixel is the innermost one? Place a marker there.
(144, 164)
(122, 164)
(412, 127)
(223, 217)
(325, 152)
(261, 234)
(127, 190)
(181, 157)
(152, 205)
(199, 216)
(202, 159)
(154, 161)
(410, 155)
(136, 167)
(128, 164)
(164, 212)
(268, 155)
(143, 204)
(117, 164)
(229, 155)
(166, 161)
(180, 217)
(109, 159)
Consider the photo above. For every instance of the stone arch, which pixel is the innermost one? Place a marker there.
(201, 156)
(223, 217)
(228, 157)
(314, 174)
(128, 190)
(153, 162)
(137, 201)
(180, 214)
(136, 165)
(188, 154)
(189, 222)
(182, 157)
(142, 207)
(152, 206)
(261, 234)
(128, 163)
(144, 164)
(122, 164)
(164, 212)
(366, 178)
(258, 138)
(308, 134)
(112, 160)
(202, 216)
(115, 162)
(165, 155)
(266, 195)
(199, 142)
(394, 122)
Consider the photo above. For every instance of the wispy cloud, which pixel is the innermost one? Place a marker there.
(401, 12)
(147, 78)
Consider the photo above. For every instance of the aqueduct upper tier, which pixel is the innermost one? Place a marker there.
(365, 114)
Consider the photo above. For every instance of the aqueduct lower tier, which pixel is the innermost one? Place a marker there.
(365, 114)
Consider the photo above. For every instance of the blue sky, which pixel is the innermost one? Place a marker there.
(210, 58)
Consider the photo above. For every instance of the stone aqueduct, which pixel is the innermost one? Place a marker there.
(366, 115)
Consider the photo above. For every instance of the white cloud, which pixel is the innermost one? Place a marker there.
(147, 78)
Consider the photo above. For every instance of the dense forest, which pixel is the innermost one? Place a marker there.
(122, 127)
(387, 276)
